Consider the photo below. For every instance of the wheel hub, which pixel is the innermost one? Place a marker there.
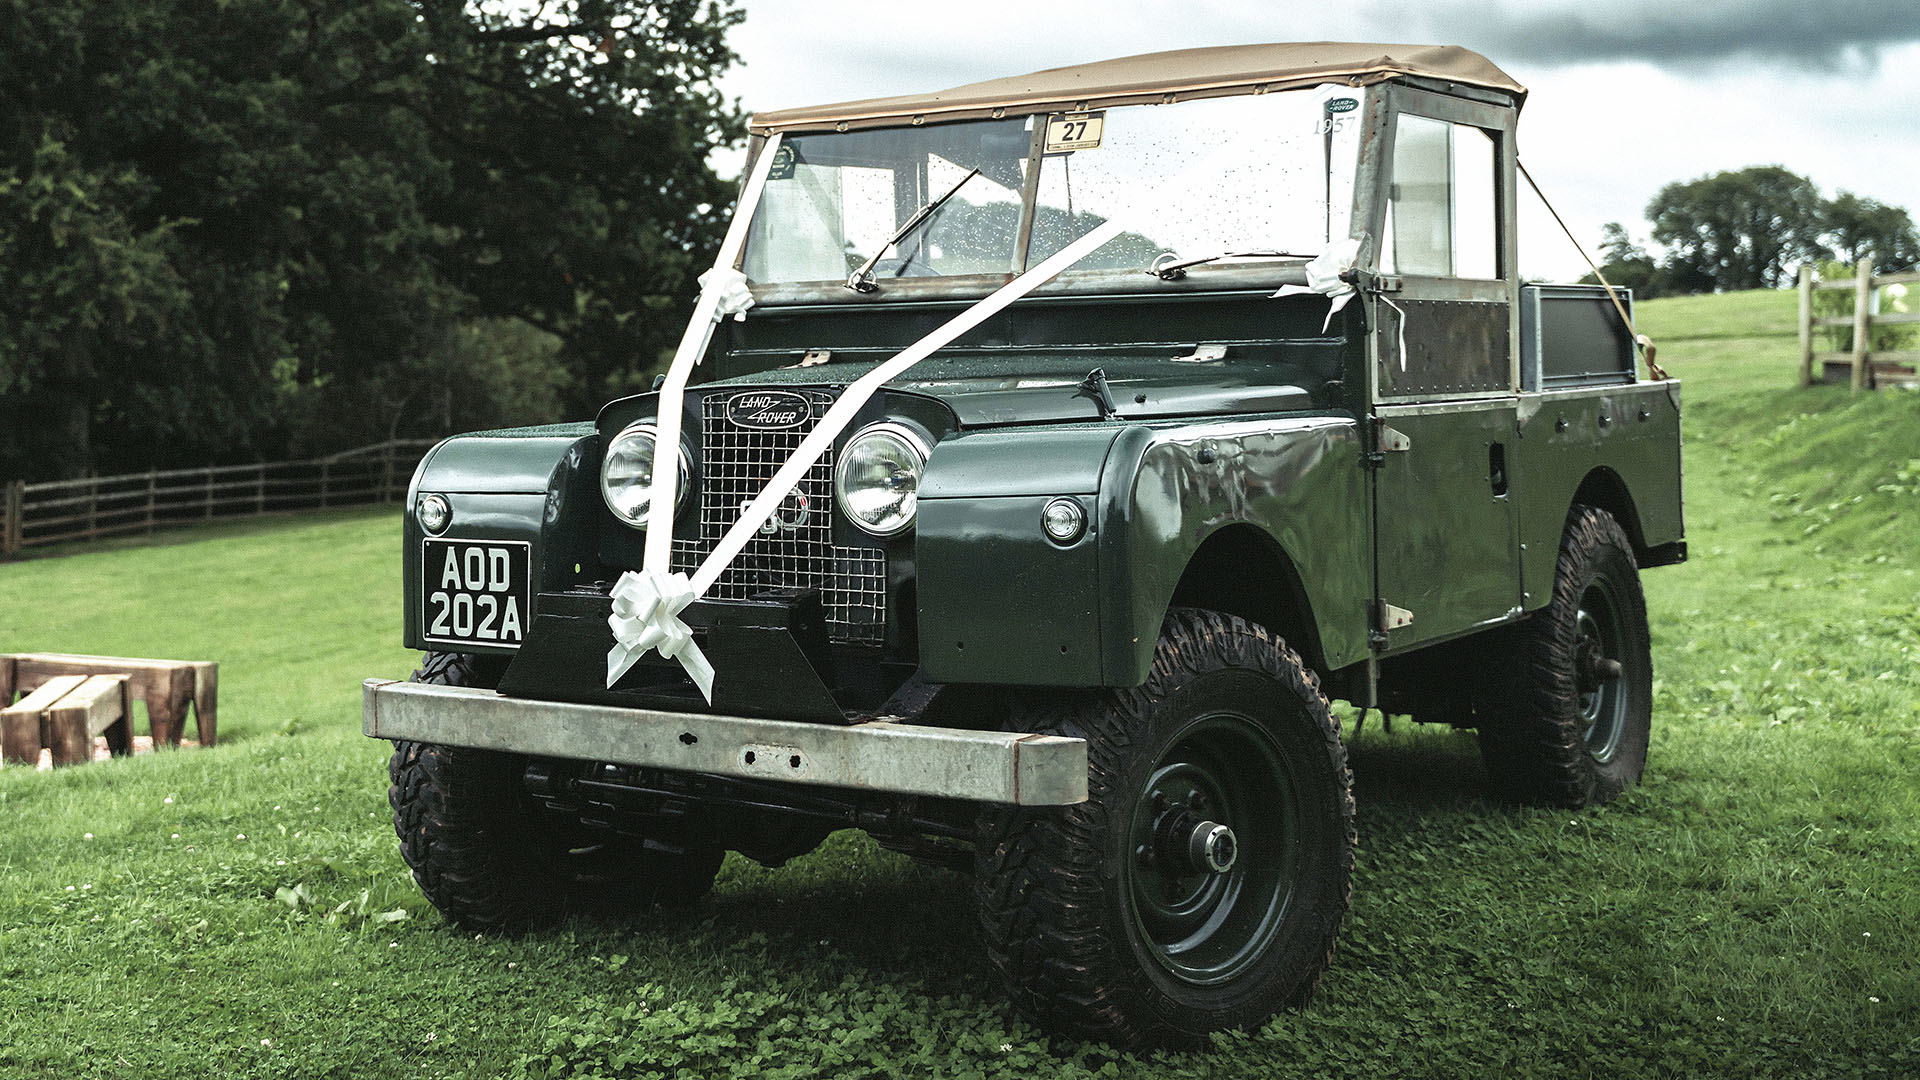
(1597, 676)
(1186, 843)
(1594, 667)
(1215, 843)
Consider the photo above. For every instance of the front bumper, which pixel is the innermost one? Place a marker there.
(984, 766)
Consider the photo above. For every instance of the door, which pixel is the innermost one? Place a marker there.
(1446, 539)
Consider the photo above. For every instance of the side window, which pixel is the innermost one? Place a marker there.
(1441, 208)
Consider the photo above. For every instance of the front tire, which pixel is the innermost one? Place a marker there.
(1201, 885)
(1568, 721)
(490, 859)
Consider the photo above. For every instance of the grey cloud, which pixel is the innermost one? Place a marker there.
(1835, 34)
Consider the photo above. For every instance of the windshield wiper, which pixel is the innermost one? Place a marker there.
(861, 280)
(1174, 271)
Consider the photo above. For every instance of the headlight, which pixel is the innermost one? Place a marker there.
(626, 474)
(878, 478)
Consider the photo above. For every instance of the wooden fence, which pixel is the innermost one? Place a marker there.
(64, 510)
(1867, 367)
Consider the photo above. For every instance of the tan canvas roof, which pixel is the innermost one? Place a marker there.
(1218, 71)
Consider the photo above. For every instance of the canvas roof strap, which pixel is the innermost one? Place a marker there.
(1642, 341)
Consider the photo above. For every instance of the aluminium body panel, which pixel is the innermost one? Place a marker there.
(1618, 444)
(1447, 530)
(1001, 603)
(528, 485)
(1294, 484)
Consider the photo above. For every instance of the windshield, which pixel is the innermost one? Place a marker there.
(1267, 173)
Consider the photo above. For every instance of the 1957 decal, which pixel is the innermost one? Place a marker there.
(475, 592)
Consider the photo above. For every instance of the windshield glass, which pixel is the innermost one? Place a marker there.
(1269, 173)
(832, 200)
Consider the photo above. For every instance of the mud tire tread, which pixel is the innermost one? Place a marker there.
(476, 849)
(1532, 732)
(1042, 884)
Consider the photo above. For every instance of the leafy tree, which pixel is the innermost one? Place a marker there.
(1627, 264)
(1862, 228)
(218, 220)
(1738, 230)
(483, 373)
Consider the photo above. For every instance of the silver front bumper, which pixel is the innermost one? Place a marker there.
(987, 766)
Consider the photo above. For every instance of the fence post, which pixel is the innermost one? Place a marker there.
(260, 489)
(209, 508)
(386, 472)
(323, 483)
(1806, 324)
(10, 524)
(1862, 295)
(93, 506)
(151, 477)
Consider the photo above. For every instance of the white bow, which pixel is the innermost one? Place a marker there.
(646, 615)
(729, 286)
(1323, 276)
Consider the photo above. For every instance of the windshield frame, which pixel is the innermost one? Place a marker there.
(1227, 273)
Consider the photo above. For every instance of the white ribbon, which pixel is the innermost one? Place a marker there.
(646, 615)
(655, 620)
(1324, 278)
(730, 292)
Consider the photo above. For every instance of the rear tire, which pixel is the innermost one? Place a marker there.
(1568, 719)
(1116, 919)
(490, 858)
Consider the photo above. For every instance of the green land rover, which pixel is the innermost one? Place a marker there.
(1043, 458)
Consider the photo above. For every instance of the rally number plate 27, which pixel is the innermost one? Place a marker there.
(475, 592)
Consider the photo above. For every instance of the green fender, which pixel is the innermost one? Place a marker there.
(999, 602)
(526, 484)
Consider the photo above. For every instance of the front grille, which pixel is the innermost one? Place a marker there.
(735, 464)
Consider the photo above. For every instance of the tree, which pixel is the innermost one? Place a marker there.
(1862, 228)
(1740, 229)
(1626, 264)
(217, 219)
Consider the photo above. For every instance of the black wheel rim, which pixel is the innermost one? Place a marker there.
(1597, 659)
(1204, 924)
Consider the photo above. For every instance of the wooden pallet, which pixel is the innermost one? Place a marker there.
(65, 714)
(167, 686)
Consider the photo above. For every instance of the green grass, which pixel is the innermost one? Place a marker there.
(1749, 910)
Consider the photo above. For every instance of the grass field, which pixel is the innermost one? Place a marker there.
(1752, 909)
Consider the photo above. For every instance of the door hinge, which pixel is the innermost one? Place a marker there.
(1386, 441)
(1392, 618)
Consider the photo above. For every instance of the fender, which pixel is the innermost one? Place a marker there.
(997, 601)
(506, 485)
(1001, 603)
(1297, 481)
(1615, 447)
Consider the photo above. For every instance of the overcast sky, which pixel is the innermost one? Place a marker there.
(1626, 95)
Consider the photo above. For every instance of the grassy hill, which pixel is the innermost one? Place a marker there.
(1750, 910)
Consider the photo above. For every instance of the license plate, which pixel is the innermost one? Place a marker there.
(476, 592)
